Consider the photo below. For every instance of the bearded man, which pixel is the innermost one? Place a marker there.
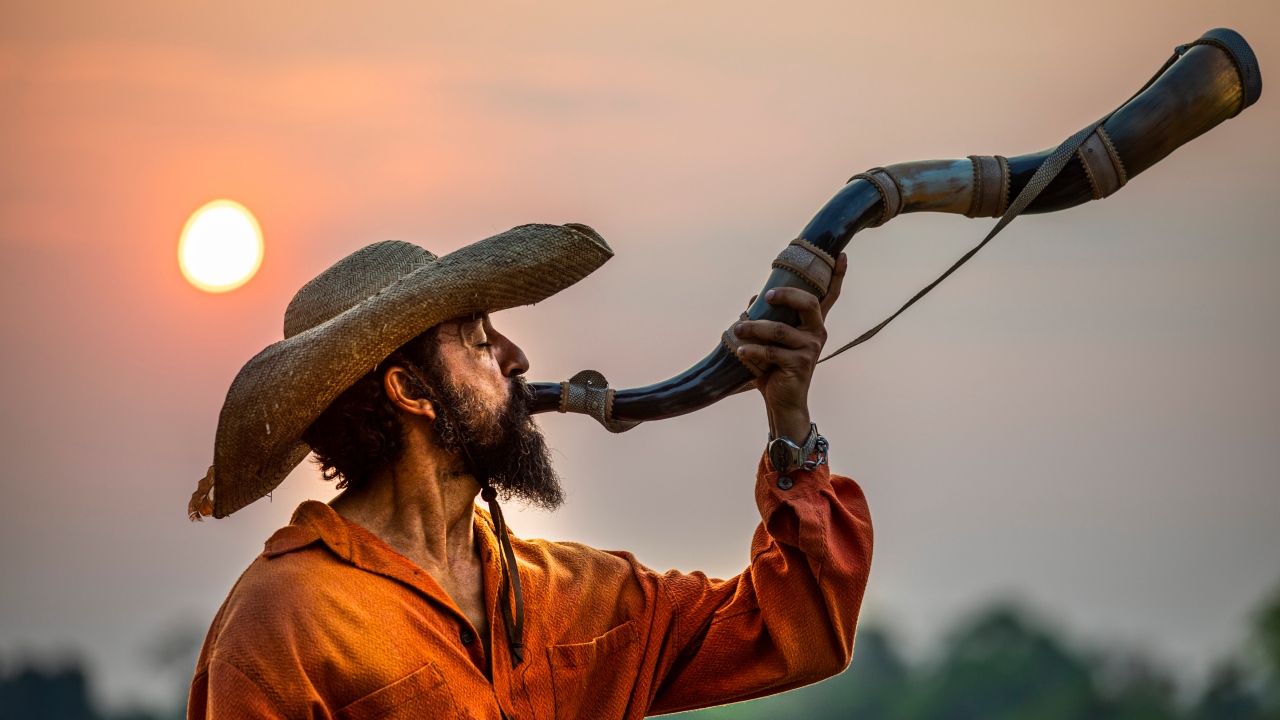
(403, 599)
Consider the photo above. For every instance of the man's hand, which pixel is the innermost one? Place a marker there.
(792, 351)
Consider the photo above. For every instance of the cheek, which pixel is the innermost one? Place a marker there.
(491, 393)
(476, 374)
(488, 384)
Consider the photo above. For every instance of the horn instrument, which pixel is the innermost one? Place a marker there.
(1205, 83)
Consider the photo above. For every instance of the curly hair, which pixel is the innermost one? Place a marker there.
(360, 432)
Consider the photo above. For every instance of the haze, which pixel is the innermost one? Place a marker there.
(1086, 416)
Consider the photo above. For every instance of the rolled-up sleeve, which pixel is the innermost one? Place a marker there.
(790, 618)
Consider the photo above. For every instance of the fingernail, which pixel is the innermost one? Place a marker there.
(737, 329)
(769, 295)
(742, 351)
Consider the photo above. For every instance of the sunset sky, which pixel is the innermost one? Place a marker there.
(1087, 416)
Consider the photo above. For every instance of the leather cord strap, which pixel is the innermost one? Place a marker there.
(510, 576)
(1044, 175)
(513, 621)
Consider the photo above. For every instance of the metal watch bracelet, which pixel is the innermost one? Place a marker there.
(785, 456)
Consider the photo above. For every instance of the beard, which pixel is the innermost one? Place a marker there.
(505, 446)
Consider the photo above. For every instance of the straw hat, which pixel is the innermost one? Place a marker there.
(350, 318)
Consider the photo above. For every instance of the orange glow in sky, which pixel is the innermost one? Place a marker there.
(1087, 416)
(221, 247)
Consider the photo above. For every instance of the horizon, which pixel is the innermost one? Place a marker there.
(1086, 417)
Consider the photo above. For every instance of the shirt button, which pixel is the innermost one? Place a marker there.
(467, 637)
(785, 482)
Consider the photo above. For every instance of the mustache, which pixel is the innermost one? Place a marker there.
(503, 443)
(520, 390)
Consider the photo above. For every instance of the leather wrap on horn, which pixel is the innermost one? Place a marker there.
(1214, 80)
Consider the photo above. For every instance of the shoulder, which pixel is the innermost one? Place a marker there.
(253, 663)
(275, 605)
(565, 571)
(576, 559)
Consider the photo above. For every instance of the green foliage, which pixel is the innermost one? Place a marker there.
(61, 693)
(1000, 665)
(1268, 634)
(1004, 665)
(39, 694)
(1227, 696)
(1266, 641)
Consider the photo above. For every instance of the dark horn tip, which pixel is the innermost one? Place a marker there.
(1245, 61)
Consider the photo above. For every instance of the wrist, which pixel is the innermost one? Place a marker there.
(793, 425)
(785, 455)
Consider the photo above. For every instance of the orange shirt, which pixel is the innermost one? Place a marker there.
(330, 622)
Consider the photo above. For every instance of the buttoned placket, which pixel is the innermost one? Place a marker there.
(394, 568)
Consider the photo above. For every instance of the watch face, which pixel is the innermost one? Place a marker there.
(782, 454)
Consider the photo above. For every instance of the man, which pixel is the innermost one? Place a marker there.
(402, 599)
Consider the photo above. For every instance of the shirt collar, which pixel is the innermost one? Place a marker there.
(315, 522)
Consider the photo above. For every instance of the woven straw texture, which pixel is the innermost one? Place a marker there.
(352, 316)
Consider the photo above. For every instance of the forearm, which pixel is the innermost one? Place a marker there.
(789, 620)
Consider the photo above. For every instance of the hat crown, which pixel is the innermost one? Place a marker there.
(352, 280)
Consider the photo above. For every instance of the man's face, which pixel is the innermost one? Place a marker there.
(485, 412)
(481, 362)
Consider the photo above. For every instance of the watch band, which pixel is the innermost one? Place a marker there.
(809, 443)
(785, 456)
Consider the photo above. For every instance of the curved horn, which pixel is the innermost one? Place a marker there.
(1205, 83)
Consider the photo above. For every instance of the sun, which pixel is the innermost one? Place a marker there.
(221, 247)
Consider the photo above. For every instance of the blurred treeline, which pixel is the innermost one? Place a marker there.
(62, 690)
(1003, 664)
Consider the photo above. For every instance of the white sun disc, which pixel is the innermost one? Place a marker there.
(221, 247)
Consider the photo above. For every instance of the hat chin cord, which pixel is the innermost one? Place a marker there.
(513, 621)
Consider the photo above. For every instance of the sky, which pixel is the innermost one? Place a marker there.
(1086, 417)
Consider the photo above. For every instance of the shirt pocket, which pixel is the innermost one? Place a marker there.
(421, 694)
(595, 679)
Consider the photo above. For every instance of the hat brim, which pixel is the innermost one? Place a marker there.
(278, 394)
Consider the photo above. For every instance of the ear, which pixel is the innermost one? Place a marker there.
(404, 392)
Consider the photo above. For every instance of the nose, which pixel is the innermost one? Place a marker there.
(511, 359)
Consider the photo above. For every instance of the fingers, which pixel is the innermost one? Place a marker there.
(768, 331)
(837, 281)
(784, 358)
(803, 302)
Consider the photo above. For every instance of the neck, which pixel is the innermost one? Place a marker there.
(425, 509)
(422, 506)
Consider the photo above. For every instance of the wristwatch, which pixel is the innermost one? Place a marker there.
(786, 456)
